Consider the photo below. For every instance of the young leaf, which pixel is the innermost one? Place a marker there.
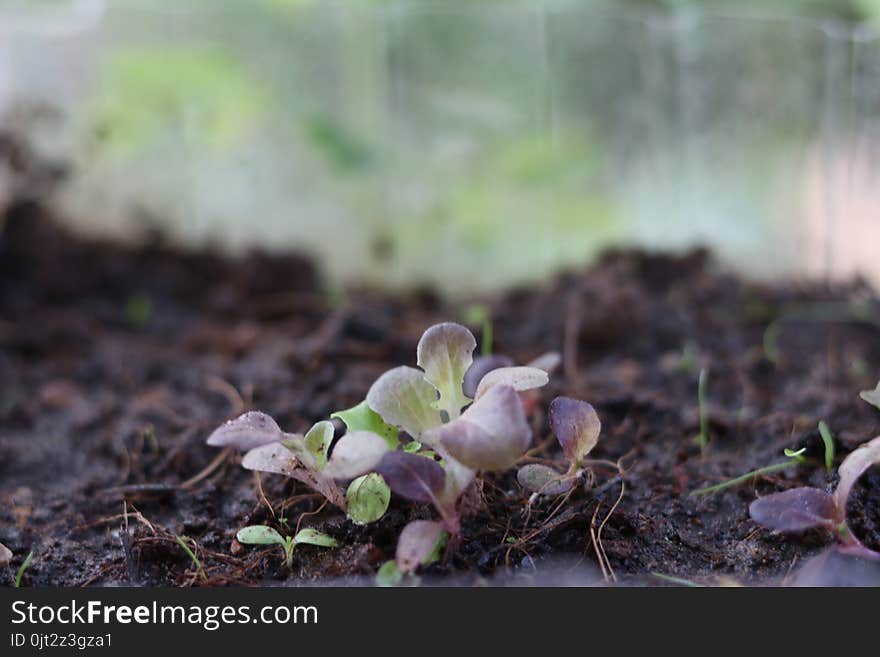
(458, 478)
(278, 459)
(518, 378)
(412, 476)
(575, 425)
(274, 458)
(295, 443)
(491, 435)
(404, 398)
(481, 366)
(364, 418)
(368, 498)
(872, 396)
(247, 431)
(318, 440)
(416, 544)
(794, 510)
(543, 479)
(852, 467)
(547, 362)
(445, 352)
(259, 535)
(5, 555)
(355, 453)
(314, 537)
(388, 575)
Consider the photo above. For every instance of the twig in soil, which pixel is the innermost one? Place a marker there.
(309, 513)
(207, 470)
(262, 495)
(596, 536)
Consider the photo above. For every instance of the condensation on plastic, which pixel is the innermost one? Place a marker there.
(470, 145)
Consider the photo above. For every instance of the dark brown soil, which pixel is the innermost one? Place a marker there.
(117, 363)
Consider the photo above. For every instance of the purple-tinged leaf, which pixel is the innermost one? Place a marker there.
(278, 459)
(445, 352)
(5, 555)
(491, 435)
(247, 431)
(458, 478)
(480, 368)
(838, 567)
(872, 396)
(547, 362)
(794, 510)
(538, 478)
(853, 467)
(412, 476)
(403, 398)
(416, 544)
(575, 425)
(356, 453)
(518, 378)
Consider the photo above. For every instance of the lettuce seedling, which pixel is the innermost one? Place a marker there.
(803, 508)
(263, 535)
(269, 449)
(576, 426)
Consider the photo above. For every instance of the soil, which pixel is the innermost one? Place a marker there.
(117, 362)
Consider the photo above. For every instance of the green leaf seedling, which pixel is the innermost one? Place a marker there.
(263, 535)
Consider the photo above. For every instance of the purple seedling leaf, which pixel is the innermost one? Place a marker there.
(356, 453)
(576, 426)
(491, 435)
(278, 459)
(458, 478)
(518, 378)
(538, 478)
(403, 398)
(5, 555)
(480, 368)
(417, 543)
(412, 476)
(853, 467)
(247, 431)
(795, 510)
(445, 352)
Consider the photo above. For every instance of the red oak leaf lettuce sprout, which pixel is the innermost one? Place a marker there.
(576, 426)
(803, 508)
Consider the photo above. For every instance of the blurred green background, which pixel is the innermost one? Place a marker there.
(463, 143)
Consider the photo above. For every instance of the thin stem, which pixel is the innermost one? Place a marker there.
(767, 469)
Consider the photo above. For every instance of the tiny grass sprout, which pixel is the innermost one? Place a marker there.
(872, 396)
(22, 568)
(702, 438)
(5, 555)
(269, 449)
(481, 314)
(368, 498)
(576, 426)
(795, 457)
(803, 508)
(182, 540)
(263, 535)
(828, 441)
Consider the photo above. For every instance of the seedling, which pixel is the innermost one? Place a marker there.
(182, 540)
(793, 457)
(702, 438)
(269, 449)
(481, 314)
(576, 426)
(803, 508)
(368, 498)
(23, 567)
(263, 535)
(828, 441)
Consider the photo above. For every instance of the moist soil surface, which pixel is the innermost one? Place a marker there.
(117, 362)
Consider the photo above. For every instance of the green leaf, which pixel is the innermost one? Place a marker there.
(389, 575)
(364, 418)
(259, 535)
(318, 441)
(314, 537)
(412, 447)
(368, 498)
(445, 352)
(405, 399)
(828, 440)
